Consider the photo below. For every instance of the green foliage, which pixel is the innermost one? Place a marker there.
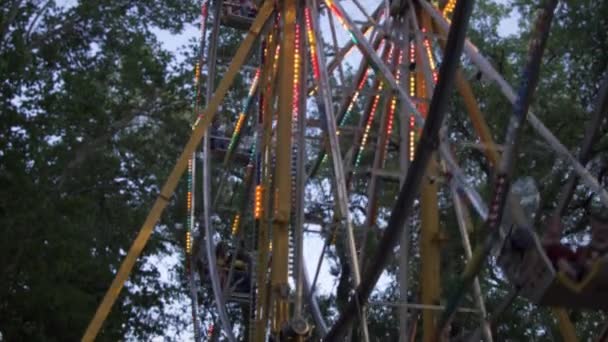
(90, 121)
(93, 112)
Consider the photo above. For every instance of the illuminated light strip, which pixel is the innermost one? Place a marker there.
(235, 224)
(266, 44)
(412, 137)
(429, 53)
(253, 148)
(257, 208)
(275, 65)
(449, 8)
(198, 66)
(389, 125)
(372, 114)
(295, 114)
(241, 120)
(349, 51)
(412, 72)
(276, 58)
(358, 91)
(412, 123)
(340, 17)
(296, 76)
(191, 174)
(352, 49)
(188, 242)
(353, 100)
(197, 72)
(392, 108)
(312, 43)
(189, 207)
(368, 125)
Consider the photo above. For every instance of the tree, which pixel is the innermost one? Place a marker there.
(91, 118)
(93, 111)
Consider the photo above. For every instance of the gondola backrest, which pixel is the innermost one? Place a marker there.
(531, 270)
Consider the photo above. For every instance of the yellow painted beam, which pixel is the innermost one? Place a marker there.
(169, 188)
(479, 123)
(280, 244)
(430, 250)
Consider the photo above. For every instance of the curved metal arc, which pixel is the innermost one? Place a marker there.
(206, 190)
(248, 188)
(315, 310)
(261, 19)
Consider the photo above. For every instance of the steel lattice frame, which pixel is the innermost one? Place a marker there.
(396, 36)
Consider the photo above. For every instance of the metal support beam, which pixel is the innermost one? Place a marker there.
(491, 152)
(369, 53)
(404, 242)
(372, 187)
(379, 66)
(282, 191)
(430, 249)
(501, 186)
(427, 145)
(488, 70)
(298, 323)
(464, 223)
(182, 163)
(263, 182)
(220, 299)
(326, 107)
(430, 237)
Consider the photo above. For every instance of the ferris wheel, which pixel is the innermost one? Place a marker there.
(374, 149)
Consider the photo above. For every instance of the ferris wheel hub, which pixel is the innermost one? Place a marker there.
(299, 326)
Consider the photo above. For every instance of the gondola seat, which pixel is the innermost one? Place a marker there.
(237, 15)
(535, 275)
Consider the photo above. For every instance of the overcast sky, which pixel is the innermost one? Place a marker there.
(313, 244)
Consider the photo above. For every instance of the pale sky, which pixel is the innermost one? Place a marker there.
(313, 244)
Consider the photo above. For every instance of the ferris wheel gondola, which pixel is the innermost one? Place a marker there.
(238, 14)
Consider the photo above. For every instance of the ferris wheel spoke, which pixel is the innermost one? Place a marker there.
(464, 225)
(326, 108)
(414, 176)
(220, 299)
(504, 171)
(488, 70)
